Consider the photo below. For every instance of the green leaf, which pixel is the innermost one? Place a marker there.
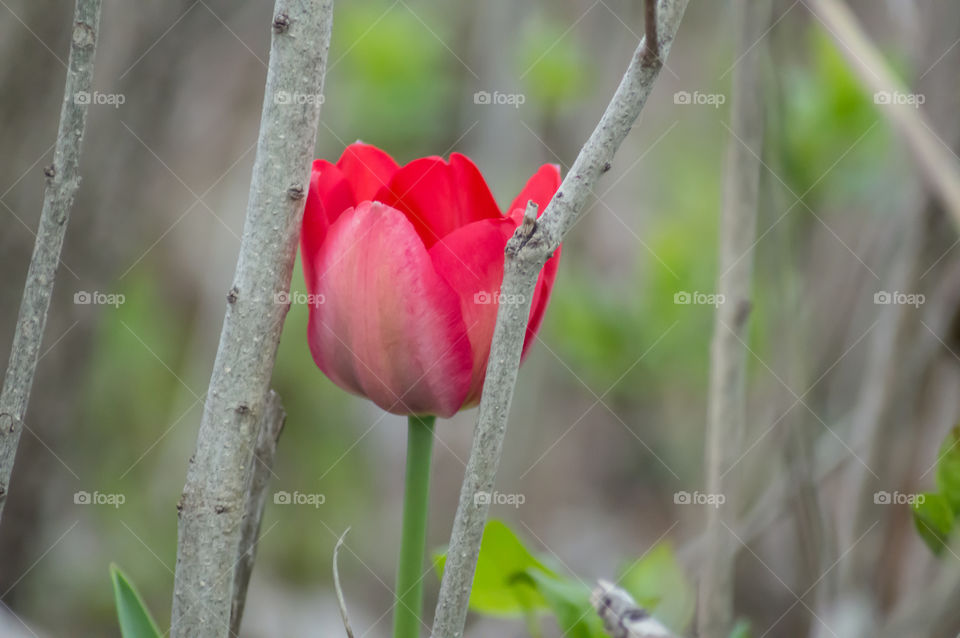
(948, 469)
(659, 585)
(135, 619)
(570, 603)
(500, 585)
(933, 518)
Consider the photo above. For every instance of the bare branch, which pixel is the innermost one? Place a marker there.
(215, 495)
(63, 180)
(622, 616)
(271, 426)
(727, 397)
(651, 40)
(938, 164)
(526, 253)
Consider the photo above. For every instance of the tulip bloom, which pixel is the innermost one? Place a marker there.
(404, 265)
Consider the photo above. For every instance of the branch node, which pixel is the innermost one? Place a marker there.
(232, 295)
(84, 35)
(50, 171)
(295, 192)
(281, 23)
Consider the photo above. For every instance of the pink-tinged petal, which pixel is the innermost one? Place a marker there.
(471, 260)
(389, 326)
(439, 197)
(540, 188)
(541, 296)
(367, 168)
(329, 195)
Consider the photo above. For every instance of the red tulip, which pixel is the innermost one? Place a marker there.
(403, 265)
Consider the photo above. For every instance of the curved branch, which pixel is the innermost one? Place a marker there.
(526, 253)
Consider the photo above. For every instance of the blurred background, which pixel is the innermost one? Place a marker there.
(848, 397)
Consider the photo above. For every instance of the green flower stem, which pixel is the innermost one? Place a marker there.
(416, 496)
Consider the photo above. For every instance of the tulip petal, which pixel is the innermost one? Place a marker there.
(367, 168)
(439, 197)
(540, 188)
(329, 195)
(471, 260)
(541, 296)
(389, 326)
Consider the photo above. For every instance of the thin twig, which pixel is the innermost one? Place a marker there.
(63, 180)
(622, 616)
(938, 164)
(341, 602)
(271, 426)
(727, 397)
(526, 253)
(651, 40)
(219, 477)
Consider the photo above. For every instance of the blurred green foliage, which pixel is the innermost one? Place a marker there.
(550, 62)
(935, 514)
(391, 66)
(510, 581)
(834, 139)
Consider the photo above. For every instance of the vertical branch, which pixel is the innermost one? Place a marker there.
(63, 180)
(727, 393)
(526, 252)
(935, 160)
(271, 425)
(219, 477)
